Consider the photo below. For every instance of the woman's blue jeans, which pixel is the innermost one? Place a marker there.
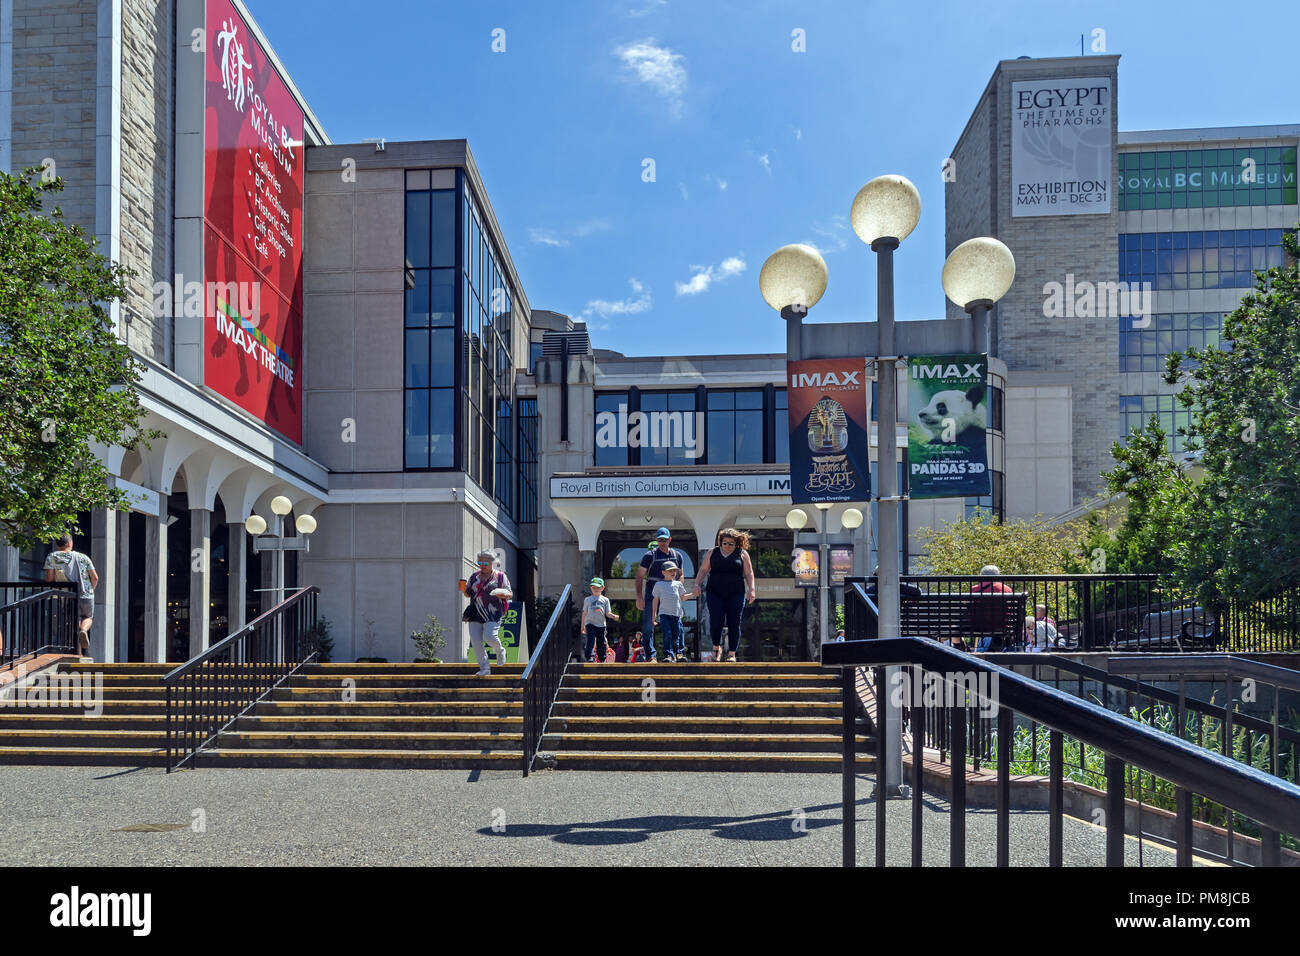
(728, 611)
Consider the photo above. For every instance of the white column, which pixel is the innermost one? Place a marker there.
(123, 641)
(237, 563)
(200, 579)
(155, 585)
(103, 554)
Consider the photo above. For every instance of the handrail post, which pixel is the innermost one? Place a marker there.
(848, 788)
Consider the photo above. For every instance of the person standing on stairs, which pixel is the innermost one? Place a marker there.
(728, 577)
(668, 596)
(648, 575)
(489, 593)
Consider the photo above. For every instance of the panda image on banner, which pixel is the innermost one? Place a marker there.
(964, 410)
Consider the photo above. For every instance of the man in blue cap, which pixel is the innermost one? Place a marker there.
(648, 575)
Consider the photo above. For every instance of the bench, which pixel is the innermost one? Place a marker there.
(1181, 628)
(956, 616)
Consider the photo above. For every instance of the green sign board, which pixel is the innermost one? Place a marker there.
(513, 634)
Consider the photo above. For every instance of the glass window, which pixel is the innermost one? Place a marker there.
(1196, 178)
(781, 414)
(443, 244)
(611, 446)
(735, 427)
(417, 428)
(527, 507)
(442, 427)
(417, 229)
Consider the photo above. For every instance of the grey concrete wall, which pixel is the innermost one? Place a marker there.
(53, 105)
(1079, 352)
(146, 163)
(353, 306)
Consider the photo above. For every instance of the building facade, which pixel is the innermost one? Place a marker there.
(389, 376)
(1185, 215)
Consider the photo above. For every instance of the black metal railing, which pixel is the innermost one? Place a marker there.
(1271, 805)
(1265, 744)
(208, 693)
(544, 674)
(1123, 612)
(37, 618)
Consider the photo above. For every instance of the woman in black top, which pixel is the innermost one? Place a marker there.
(728, 578)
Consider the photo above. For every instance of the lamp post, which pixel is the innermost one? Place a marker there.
(256, 526)
(796, 520)
(975, 276)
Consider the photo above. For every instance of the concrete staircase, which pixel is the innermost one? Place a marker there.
(707, 716)
(768, 717)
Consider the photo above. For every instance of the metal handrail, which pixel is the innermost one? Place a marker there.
(1273, 731)
(1206, 665)
(1271, 802)
(540, 684)
(21, 630)
(211, 691)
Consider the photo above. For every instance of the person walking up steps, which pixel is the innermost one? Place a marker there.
(594, 611)
(668, 597)
(648, 575)
(489, 593)
(64, 564)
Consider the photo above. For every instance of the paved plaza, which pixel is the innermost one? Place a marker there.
(104, 816)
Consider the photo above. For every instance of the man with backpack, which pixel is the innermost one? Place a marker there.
(648, 575)
(66, 565)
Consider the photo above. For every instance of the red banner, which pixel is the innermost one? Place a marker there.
(252, 237)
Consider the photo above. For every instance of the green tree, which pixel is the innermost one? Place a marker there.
(1157, 493)
(66, 380)
(1240, 527)
(1017, 546)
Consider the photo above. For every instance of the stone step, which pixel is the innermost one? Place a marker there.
(469, 694)
(381, 708)
(737, 694)
(82, 756)
(651, 724)
(369, 759)
(396, 723)
(635, 707)
(84, 737)
(718, 744)
(342, 740)
(720, 681)
(710, 762)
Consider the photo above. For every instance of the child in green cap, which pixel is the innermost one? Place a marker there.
(595, 610)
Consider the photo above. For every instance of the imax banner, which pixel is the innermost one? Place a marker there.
(947, 413)
(1061, 146)
(828, 430)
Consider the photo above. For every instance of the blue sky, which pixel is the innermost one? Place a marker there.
(754, 145)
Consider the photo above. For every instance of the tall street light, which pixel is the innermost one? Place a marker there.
(883, 214)
(796, 520)
(256, 526)
(976, 275)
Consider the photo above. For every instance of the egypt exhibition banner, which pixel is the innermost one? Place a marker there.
(1061, 146)
(828, 430)
(252, 236)
(947, 414)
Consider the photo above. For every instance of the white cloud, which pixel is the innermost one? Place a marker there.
(833, 234)
(682, 187)
(551, 237)
(705, 276)
(765, 163)
(798, 134)
(635, 304)
(658, 67)
(546, 237)
(719, 182)
(650, 7)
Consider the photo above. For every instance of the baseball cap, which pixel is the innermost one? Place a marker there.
(668, 566)
(597, 582)
(663, 533)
